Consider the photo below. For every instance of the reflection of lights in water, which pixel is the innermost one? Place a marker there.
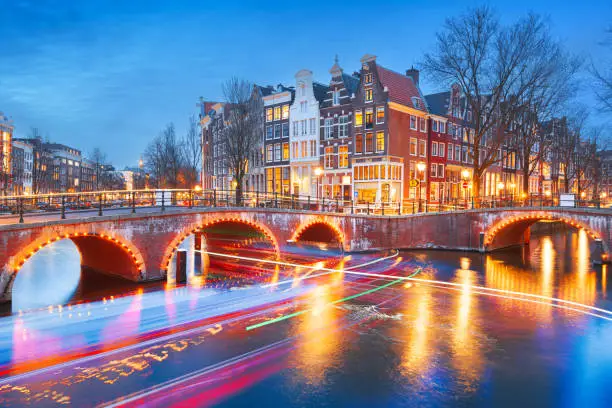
(465, 263)
(583, 253)
(50, 276)
(604, 280)
(547, 266)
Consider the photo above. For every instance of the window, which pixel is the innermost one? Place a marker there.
(336, 97)
(358, 118)
(302, 127)
(369, 143)
(269, 132)
(304, 146)
(413, 146)
(380, 114)
(294, 147)
(285, 129)
(413, 125)
(464, 157)
(358, 144)
(441, 149)
(295, 128)
(422, 148)
(328, 161)
(313, 148)
(367, 78)
(277, 152)
(303, 106)
(328, 128)
(457, 153)
(434, 169)
(450, 152)
(285, 111)
(423, 125)
(277, 113)
(441, 127)
(343, 126)
(285, 151)
(368, 95)
(434, 148)
(441, 170)
(312, 126)
(369, 118)
(380, 141)
(269, 115)
(434, 125)
(269, 151)
(277, 131)
(343, 157)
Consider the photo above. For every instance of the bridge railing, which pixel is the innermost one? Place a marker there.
(101, 202)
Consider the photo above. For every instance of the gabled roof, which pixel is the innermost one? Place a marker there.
(401, 88)
(351, 83)
(320, 91)
(438, 103)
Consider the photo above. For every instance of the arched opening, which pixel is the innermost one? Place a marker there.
(319, 232)
(72, 267)
(516, 231)
(226, 246)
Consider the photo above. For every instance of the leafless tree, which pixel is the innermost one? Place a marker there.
(552, 86)
(42, 164)
(603, 78)
(99, 159)
(192, 152)
(494, 65)
(567, 149)
(243, 128)
(164, 159)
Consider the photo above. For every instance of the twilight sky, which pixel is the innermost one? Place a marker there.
(112, 73)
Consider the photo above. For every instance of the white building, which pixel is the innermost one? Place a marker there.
(304, 133)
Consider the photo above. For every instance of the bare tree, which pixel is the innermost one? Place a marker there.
(192, 152)
(567, 148)
(164, 159)
(494, 65)
(603, 79)
(243, 128)
(551, 87)
(42, 164)
(98, 157)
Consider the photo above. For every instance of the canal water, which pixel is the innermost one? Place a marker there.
(360, 341)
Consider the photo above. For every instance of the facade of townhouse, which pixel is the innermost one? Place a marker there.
(6, 138)
(336, 136)
(23, 161)
(276, 139)
(304, 118)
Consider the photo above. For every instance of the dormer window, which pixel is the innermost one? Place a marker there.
(367, 78)
(416, 102)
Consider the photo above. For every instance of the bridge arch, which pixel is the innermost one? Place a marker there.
(215, 222)
(319, 230)
(514, 230)
(103, 252)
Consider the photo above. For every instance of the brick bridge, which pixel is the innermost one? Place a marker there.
(139, 246)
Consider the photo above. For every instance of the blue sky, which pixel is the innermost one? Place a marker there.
(112, 73)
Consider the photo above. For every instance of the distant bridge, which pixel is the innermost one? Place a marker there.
(139, 246)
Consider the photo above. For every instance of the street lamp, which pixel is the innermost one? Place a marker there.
(421, 169)
(318, 172)
(465, 175)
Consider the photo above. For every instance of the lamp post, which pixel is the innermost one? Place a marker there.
(465, 175)
(421, 170)
(500, 187)
(318, 172)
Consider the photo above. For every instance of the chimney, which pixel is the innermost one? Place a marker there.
(414, 74)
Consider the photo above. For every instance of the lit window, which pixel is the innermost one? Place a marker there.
(269, 115)
(285, 151)
(413, 146)
(369, 118)
(329, 157)
(369, 143)
(277, 113)
(358, 144)
(285, 111)
(380, 141)
(368, 78)
(358, 118)
(422, 148)
(368, 95)
(380, 114)
(269, 151)
(343, 157)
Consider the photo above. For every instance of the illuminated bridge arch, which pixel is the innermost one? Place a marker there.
(103, 252)
(514, 230)
(240, 225)
(321, 231)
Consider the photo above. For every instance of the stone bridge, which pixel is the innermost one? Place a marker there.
(140, 246)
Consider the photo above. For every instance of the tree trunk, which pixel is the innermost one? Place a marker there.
(476, 189)
(526, 180)
(238, 192)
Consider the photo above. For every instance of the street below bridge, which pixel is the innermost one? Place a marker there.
(315, 323)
